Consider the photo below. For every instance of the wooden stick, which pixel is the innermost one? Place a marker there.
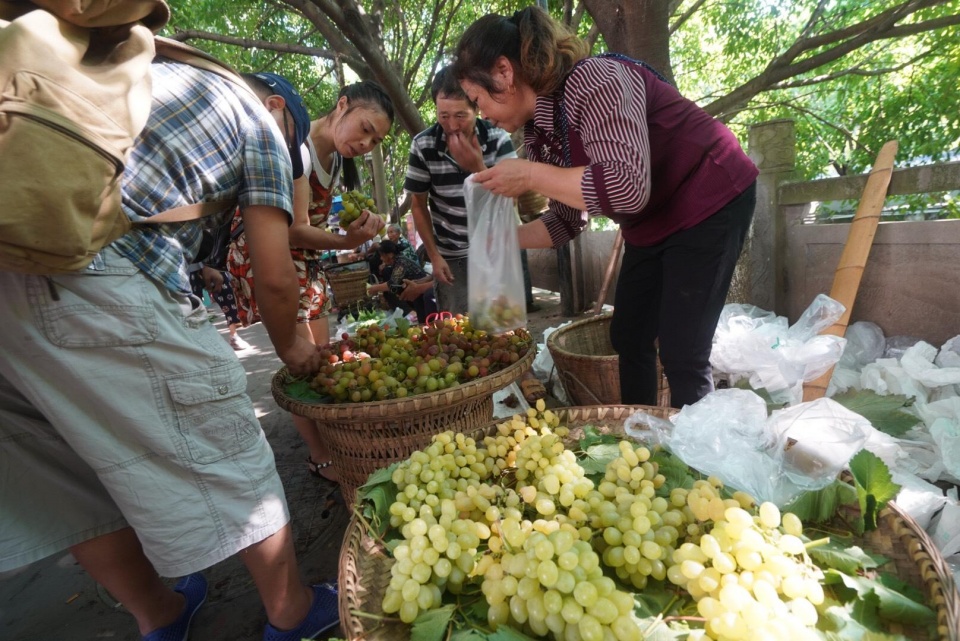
(608, 275)
(853, 260)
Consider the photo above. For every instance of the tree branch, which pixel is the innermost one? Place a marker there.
(184, 35)
(679, 22)
(856, 70)
(846, 40)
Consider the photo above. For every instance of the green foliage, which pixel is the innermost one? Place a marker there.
(875, 487)
(844, 109)
(885, 413)
(821, 505)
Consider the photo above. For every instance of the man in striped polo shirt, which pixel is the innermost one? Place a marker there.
(441, 158)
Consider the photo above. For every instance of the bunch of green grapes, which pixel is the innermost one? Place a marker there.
(354, 203)
(751, 577)
(549, 479)
(436, 487)
(548, 582)
(639, 529)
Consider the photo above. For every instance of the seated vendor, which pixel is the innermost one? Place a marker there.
(408, 286)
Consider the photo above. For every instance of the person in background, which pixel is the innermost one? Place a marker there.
(404, 273)
(441, 158)
(608, 135)
(126, 434)
(404, 248)
(359, 121)
(217, 284)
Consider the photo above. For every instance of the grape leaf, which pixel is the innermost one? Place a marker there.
(875, 486)
(377, 495)
(895, 583)
(821, 505)
(893, 605)
(855, 621)
(845, 559)
(299, 390)
(592, 436)
(506, 633)
(468, 634)
(596, 457)
(431, 625)
(885, 413)
(674, 470)
(651, 602)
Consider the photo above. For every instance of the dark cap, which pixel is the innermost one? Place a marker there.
(301, 119)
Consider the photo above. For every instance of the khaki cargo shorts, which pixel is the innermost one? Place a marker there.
(120, 404)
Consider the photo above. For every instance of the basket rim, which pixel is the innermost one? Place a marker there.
(554, 338)
(935, 574)
(400, 407)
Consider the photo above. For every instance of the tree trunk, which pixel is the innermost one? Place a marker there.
(637, 28)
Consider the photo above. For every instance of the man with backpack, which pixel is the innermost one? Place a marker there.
(126, 434)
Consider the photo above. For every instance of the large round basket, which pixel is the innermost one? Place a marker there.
(349, 283)
(364, 437)
(364, 571)
(588, 366)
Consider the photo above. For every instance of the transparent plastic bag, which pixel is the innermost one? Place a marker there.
(728, 434)
(496, 293)
(750, 343)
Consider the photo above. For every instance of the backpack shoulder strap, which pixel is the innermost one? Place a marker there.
(182, 52)
(186, 213)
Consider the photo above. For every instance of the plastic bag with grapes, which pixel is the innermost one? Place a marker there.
(495, 289)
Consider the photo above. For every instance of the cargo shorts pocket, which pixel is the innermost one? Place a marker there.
(105, 307)
(214, 414)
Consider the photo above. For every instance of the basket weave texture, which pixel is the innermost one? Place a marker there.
(364, 571)
(348, 285)
(588, 366)
(364, 437)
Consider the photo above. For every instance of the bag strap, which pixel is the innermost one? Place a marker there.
(182, 52)
(186, 213)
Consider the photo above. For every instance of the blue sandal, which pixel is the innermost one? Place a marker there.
(323, 615)
(194, 590)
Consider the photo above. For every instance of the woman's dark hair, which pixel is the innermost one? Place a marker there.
(370, 95)
(388, 247)
(542, 50)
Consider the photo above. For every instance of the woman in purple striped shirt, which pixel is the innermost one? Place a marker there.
(607, 135)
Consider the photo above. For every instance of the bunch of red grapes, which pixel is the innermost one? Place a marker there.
(376, 364)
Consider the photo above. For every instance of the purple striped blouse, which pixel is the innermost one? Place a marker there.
(656, 162)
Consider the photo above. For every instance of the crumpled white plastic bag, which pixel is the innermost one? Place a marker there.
(727, 434)
(754, 344)
(543, 367)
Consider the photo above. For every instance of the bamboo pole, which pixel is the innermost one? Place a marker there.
(853, 260)
(608, 274)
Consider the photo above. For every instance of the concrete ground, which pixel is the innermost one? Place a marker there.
(55, 600)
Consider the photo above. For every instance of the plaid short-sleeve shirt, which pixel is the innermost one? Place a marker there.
(205, 140)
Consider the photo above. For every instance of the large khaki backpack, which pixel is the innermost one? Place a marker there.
(75, 92)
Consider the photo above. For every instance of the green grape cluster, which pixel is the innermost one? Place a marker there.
(751, 577)
(515, 516)
(374, 364)
(354, 204)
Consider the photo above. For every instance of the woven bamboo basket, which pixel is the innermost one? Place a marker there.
(348, 285)
(364, 437)
(364, 571)
(588, 366)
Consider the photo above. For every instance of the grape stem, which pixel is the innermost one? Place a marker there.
(816, 543)
(372, 532)
(370, 615)
(660, 617)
